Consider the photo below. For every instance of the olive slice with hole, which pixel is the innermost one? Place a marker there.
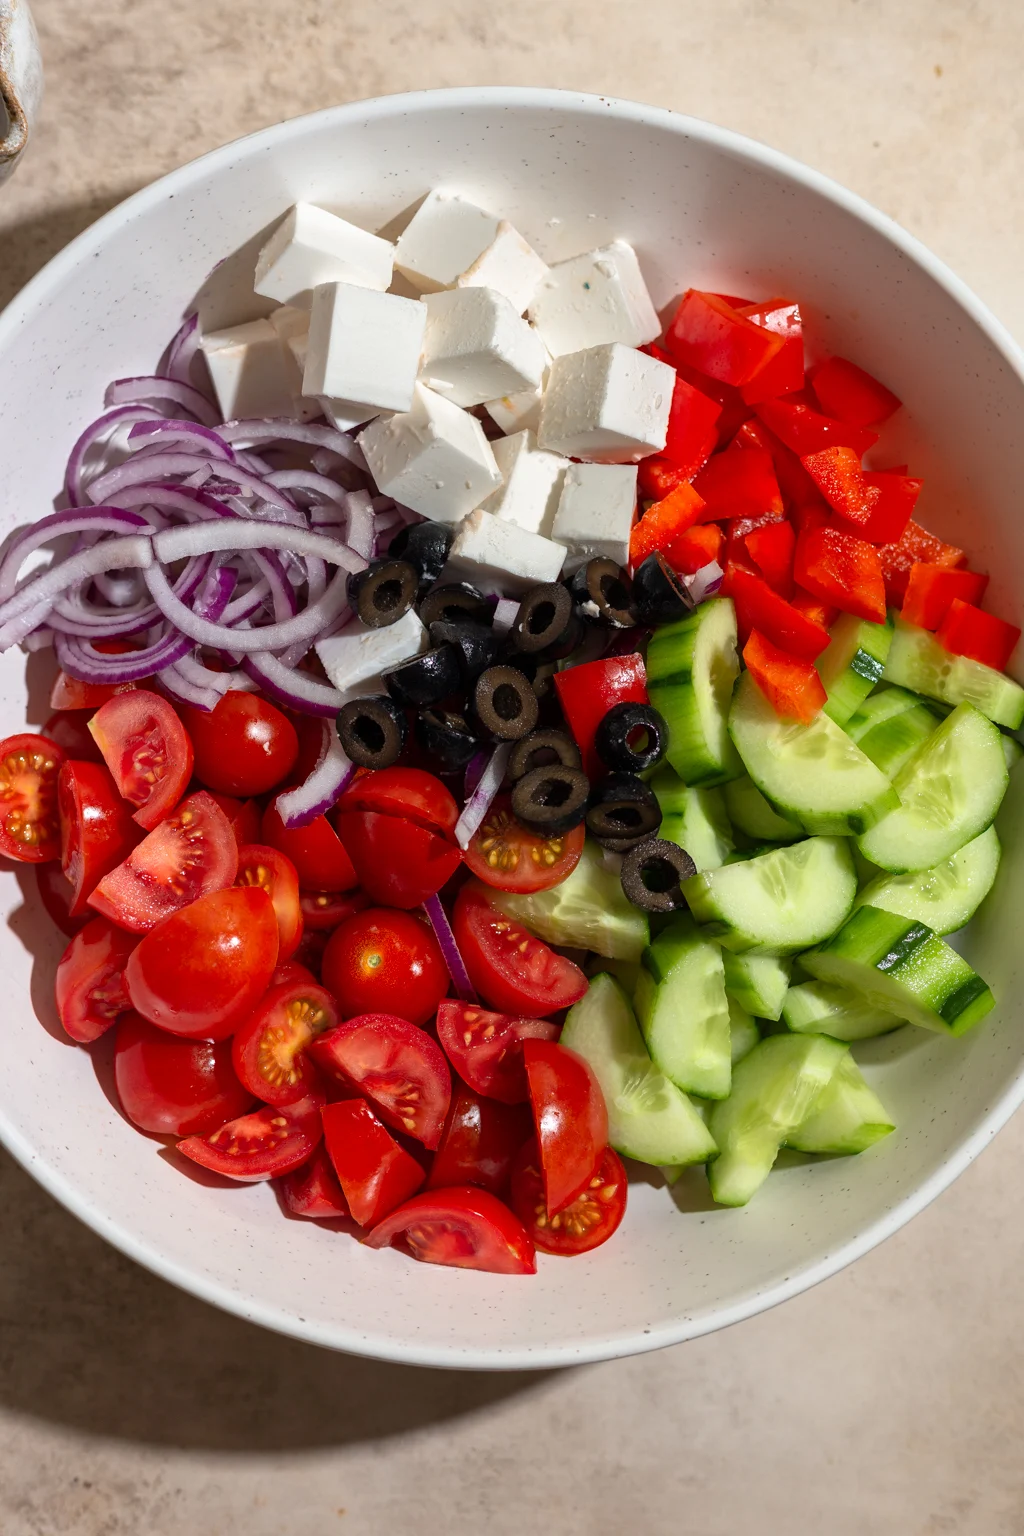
(454, 602)
(631, 737)
(623, 809)
(426, 679)
(384, 592)
(372, 731)
(446, 738)
(653, 873)
(539, 750)
(551, 800)
(505, 703)
(425, 546)
(478, 645)
(544, 614)
(660, 595)
(603, 591)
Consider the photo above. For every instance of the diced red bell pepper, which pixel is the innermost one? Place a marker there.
(736, 531)
(841, 569)
(814, 609)
(915, 544)
(932, 588)
(735, 410)
(656, 350)
(710, 335)
(806, 431)
(587, 692)
(656, 477)
(692, 427)
(374, 1172)
(664, 521)
(739, 482)
(758, 607)
(733, 300)
(695, 548)
(785, 371)
(968, 631)
(792, 686)
(876, 505)
(893, 510)
(850, 394)
(771, 548)
(796, 485)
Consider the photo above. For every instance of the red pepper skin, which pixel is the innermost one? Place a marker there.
(784, 372)
(695, 548)
(739, 482)
(692, 427)
(737, 530)
(876, 505)
(850, 394)
(586, 694)
(758, 607)
(656, 477)
(664, 521)
(968, 631)
(796, 485)
(791, 686)
(932, 588)
(915, 544)
(734, 408)
(814, 609)
(708, 334)
(843, 570)
(805, 431)
(771, 547)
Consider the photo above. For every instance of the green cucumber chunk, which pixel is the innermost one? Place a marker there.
(945, 896)
(649, 1118)
(780, 902)
(899, 965)
(694, 819)
(691, 668)
(589, 910)
(917, 661)
(818, 1008)
(852, 663)
(743, 1031)
(813, 774)
(759, 983)
(949, 793)
(1012, 751)
(750, 812)
(849, 1116)
(683, 1011)
(890, 726)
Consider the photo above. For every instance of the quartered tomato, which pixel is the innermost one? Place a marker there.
(480, 1141)
(274, 873)
(190, 854)
(72, 693)
(412, 793)
(292, 971)
(244, 815)
(591, 1218)
(465, 1228)
(268, 1142)
(173, 1087)
(315, 850)
(90, 983)
(70, 730)
(322, 911)
(570, 1116)
(374, 1172)
(29, 823)
(244, 746)
(56, 895)
(508, 856)
(269, 1049)
(96, 828)
(512, 970)
(313, 1190)
(382, 961)
(399, 1067)
(147, 750)
(486, 1049)
(397, 862)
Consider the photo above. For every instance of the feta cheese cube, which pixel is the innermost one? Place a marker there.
(510, 266)
(488, 551)
(593, 299)
(476, 347)
(254, 373)
(364, 348)
(520, 412)
(359, 655)
(532, 484)
(343, 415)
(445, 235)
(596, 511)
(310, 247)
(433, 458)
(609, 404)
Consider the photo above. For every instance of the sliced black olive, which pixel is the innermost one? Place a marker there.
(505, 703)
(602, 590)
(544, 615)
(623, 809)
(631, 737)
(539, 750)
(425, 546)
(661, 596)
(446, 738)
(426, 679)
(479, 646)
(458, 601)
(372, 731)
(653, 873)
(384, 592)
(551, 800)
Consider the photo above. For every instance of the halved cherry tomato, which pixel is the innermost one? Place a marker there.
(244, 746)
(292, 971)
(570, 1116)
(269, 1049)
(513, 971)
(96, 828)
(173, 1087)
(316, 851)
(90, 982)
(147, 750)
(486, 1048)
(202, 971)
(585, 1224)
(268, 1142)
(244, 815)
(311, 948)
(395, 1064)
(397, 862)
(70, 730)
(465, 1228)
(29, 822)
(508, 856)
(323, 911)
(409, 792)
(375, 1173)
(313, 1190)
(72, 693)
(274, 873)
(382, 961)
(56, 895)
(480, 1141)
(190, 854)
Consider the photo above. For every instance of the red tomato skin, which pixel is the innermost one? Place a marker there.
(268, 1051)
(190, 854)
(90, 984)
(273, 872)
(35, 762)
(588, 1222)
(382, 961)
(272, 1140)
(480, 1141)
(491, 1061)
(570, 1117)
(72, 693)
(489, 942)
(409, 792)
(374, 1172)
(173, 1087)
(56, 894)
(244, 746)
(396, 862)
(313, 1190)
(147, 750)
(396, 1065)
(505, 855)
(464, 1228)
(70, 730)
(290, 972)
(201, 971)
(97, 830)
(323, 911)
(244, 815)
(316, 851)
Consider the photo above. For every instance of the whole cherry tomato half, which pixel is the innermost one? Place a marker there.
(322, 911)
(268, 1142)
(512, 970)
(72, 693)
(29, 821)
(147, 750)
(90, 984)
(315, 849)
(189, 854)
(244, 815)
(506, 855)
(244, 746)
(374, 1172)
(465, 1228)
(397, 862)
(570, 1117)
(411, 793)
(269, 1049)
(274, 873)
(480, 1141)
(96, 828)
(486, 1049)
(173, 1087)
(313, 1190)
(591, 1218)
(396, 1065)
(382, 961)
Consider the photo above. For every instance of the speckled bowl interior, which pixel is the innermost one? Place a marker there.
(702, 207)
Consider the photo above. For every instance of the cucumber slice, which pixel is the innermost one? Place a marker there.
(759, 983)
(849, 1116)
(683, 1011)
(917, 661)
(866, 871)
(774, 902)
(949, 792)
(743, 1031)
(945, 896)
(890, 726)
(852, 663)
(813, 774)
(817, 1008)
(589, 910)
(691, 668)
(901, 965)
(774, 1091)
(649, 1118)
(694, 819)
(749, 810)
(1012, 751)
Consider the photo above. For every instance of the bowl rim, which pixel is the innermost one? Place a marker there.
(543, 1356)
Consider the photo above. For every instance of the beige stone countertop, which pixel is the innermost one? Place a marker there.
(887, 1402)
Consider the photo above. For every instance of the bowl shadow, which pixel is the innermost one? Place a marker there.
(29, 243)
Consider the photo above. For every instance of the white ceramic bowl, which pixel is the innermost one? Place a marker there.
(703, 207)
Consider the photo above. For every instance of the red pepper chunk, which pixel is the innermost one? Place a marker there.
(740, 482)
(916, 543)
(695, 548)
(707, 333)
(967, 631)
(841, 570)
(771, 547)
(932, 588)
(587, 692)
(876, 505)
(812, 608)
(692, 431)
(785, 371)
(796, 485)
(734, 408)
(656, 477)
(665, 521)
(806, 431)
(791, 686)
(758, 607)
(850, 394)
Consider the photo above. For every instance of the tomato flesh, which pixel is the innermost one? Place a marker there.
(244, 746)
(90, 984)
(374, 1172)
(173, 1087)
(147, 750)
(585, 1224)
(262, 1145)
(382, 961)
(396, 1065)
(397, 862)
(316, 851)
(96, 828)
(486, 1049)
(313, 1190)
(323, 911)
(29, 820)
(190, 854)
(56, 895)
(480, 1141)
(269, 1049)
(570, 1116)
(464, 1228)
(513, 971)
(409, 792)
(508, 856)
(274, 872)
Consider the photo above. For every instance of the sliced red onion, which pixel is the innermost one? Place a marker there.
(161, 466)
(438, 919)
(705, 582)
(191, 434)
(307, 625)
(184, 691)
(82, 660)
(150, 387)
(73, 616)
(479, 802)
(292, 687)
(22, 612)
(307, 481)
(181, 352)
(474, 771)
(333, 773)
(74, 520)
(103, 427)
(505, 610)
(277, 430)
(360, 535)
(121, 590)
(241, 534)
(218, 683)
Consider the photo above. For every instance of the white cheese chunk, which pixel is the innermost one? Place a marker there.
(593, 299)
(364, 349)
(532, 483)
(292, 325)
(510, 266)
(310, 247)
(516, 413)
(445, 235)
(609, 404)
(476, 347)
(596, 512)
(254, 373)
(359, 655)
(493, 553)
(433, 458)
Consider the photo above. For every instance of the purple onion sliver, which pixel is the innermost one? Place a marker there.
(705, 582)
(297, 690)
(279, 430)
(20, 614)
(104, 426)
(505, 611)
(183, 691)
(181, 352)
(56, 525)
(152, 433)
(475, 771)
(332, 774)
(479, 802)
(149, 388)
(438, 919)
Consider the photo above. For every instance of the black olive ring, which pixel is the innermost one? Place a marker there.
(505, 703)
(426, 679)
(446, 738)
(602, 590)
(372, 731)
(384, 592)
(551, 800)
(623, 721)
(653, 873)
(623, 810)
(539, 750)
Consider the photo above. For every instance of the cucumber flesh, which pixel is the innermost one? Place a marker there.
(849, 1116)
(917, 661)
(852, 663)
(949, 791)
(589, 910)
(818, 1008)
(759, 983)
(890, 726)
(945, 896)
(683, 1011)
(649, 1118)
(750, 812)
(780, 902)
(694, 819)
(692, 666)
(1012, 751)
(813, 774)
(743, 1031)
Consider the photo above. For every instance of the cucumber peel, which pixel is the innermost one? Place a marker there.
(848, 1118)
(683, 1011)
(945, 896)
(779, 902)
